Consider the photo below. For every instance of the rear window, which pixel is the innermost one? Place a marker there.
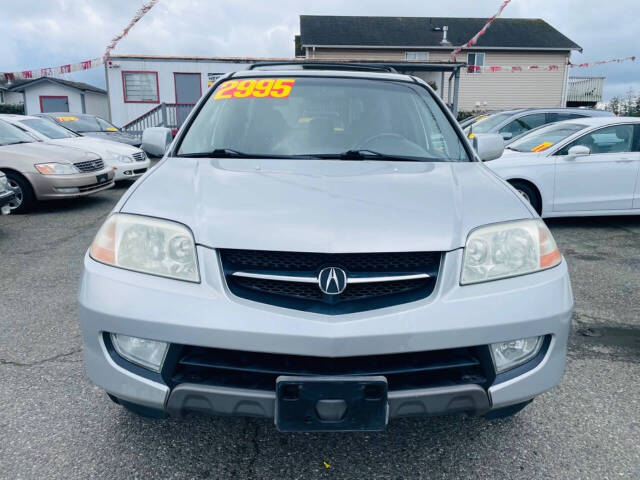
(289, 117)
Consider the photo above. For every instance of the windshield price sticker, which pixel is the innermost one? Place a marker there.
(255, 88)
(67, 119)
(542, 146)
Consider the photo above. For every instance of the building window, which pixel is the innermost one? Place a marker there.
(140, 87)
(417, 56)
(475, 62)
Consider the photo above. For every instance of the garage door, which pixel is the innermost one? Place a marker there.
(54, 104)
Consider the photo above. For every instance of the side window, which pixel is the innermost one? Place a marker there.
(559, 117)
(616, 139)
(475, 62)
(636, 145)
(524, 124)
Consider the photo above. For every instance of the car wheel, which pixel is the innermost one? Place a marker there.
(506, 412)
(24, 199)
(529, 193)
(139, 410)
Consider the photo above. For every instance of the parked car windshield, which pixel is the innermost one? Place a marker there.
(10, 135)
(85, 123)
(487, 124)
(545, 137)
(324, 117)
(48, 129)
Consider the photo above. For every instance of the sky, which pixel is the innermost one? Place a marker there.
(46, 33)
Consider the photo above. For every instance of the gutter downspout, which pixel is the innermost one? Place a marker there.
(565, 82)
(106, 78)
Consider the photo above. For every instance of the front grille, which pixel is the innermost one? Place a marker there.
(95, 186)
(306, 295)
(139, 156)
(139, 171)
(239, 369)
(90, 165)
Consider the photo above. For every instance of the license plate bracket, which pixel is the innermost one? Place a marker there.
(102, 178)
(325, 404)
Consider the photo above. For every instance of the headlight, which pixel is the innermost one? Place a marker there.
(507, 250)
(149, 354)
(116, 157)
(147, 245)
(56, 168)
(508, 355)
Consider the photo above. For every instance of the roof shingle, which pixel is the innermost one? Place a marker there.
(519, 33)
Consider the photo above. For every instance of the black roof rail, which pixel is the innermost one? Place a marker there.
(364, 67)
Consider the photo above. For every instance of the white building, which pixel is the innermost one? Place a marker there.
(47, 94)
(140, 84)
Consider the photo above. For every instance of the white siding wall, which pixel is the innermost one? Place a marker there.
(500, 90)
(122, 113)
(32, 97)
(96, 104)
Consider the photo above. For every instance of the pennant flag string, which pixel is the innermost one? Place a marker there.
(79, 66)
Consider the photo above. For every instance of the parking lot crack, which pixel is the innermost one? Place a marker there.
(54, 358)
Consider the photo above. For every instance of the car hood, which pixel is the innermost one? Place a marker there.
(324, 205)
(45, 152)
(97, 145)
(116, 137)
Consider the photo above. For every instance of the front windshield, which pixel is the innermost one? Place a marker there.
(487, 124)
(545, 137)
(10, 135)
(47, 128)
(85, 123)
(311, 116)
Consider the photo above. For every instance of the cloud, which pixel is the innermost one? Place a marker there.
(41, 33)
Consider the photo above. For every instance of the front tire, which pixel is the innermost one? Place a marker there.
(529, 193)
(25, 198)
(506, 412)
(139, 410)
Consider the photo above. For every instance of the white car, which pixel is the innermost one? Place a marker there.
(582, 167)
(129, 162)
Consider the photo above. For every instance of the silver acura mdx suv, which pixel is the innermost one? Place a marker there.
(324, 248)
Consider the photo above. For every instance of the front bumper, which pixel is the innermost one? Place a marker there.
(208, 315)
(5, 198)
(51, 187)
(131, 171)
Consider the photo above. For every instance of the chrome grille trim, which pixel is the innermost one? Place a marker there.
(314, 279)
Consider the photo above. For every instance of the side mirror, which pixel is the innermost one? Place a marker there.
(156, 140)
(507, 135)
(488, 146)
(579, 151)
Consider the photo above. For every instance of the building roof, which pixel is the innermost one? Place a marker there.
(411, 32)
(21, 85)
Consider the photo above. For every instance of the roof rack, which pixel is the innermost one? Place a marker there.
(364, 67)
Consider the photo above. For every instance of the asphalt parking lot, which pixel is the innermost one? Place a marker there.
(54, 423)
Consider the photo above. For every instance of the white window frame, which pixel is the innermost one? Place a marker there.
(417, 56)
(475, 62)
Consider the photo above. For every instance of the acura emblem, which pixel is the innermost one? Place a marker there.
(332, 280)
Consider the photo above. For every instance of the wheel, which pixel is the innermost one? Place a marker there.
(506, 412)
(529, 193)
(139, 410)
(24, 199)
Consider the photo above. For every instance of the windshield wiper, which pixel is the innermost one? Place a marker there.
(365, 154)
(19, 142)
(231, 153)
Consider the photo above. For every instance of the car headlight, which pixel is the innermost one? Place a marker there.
(508, 355)
(149, 354)
(508, 250)
(147, 245)
(116, 157)
(56, 168)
